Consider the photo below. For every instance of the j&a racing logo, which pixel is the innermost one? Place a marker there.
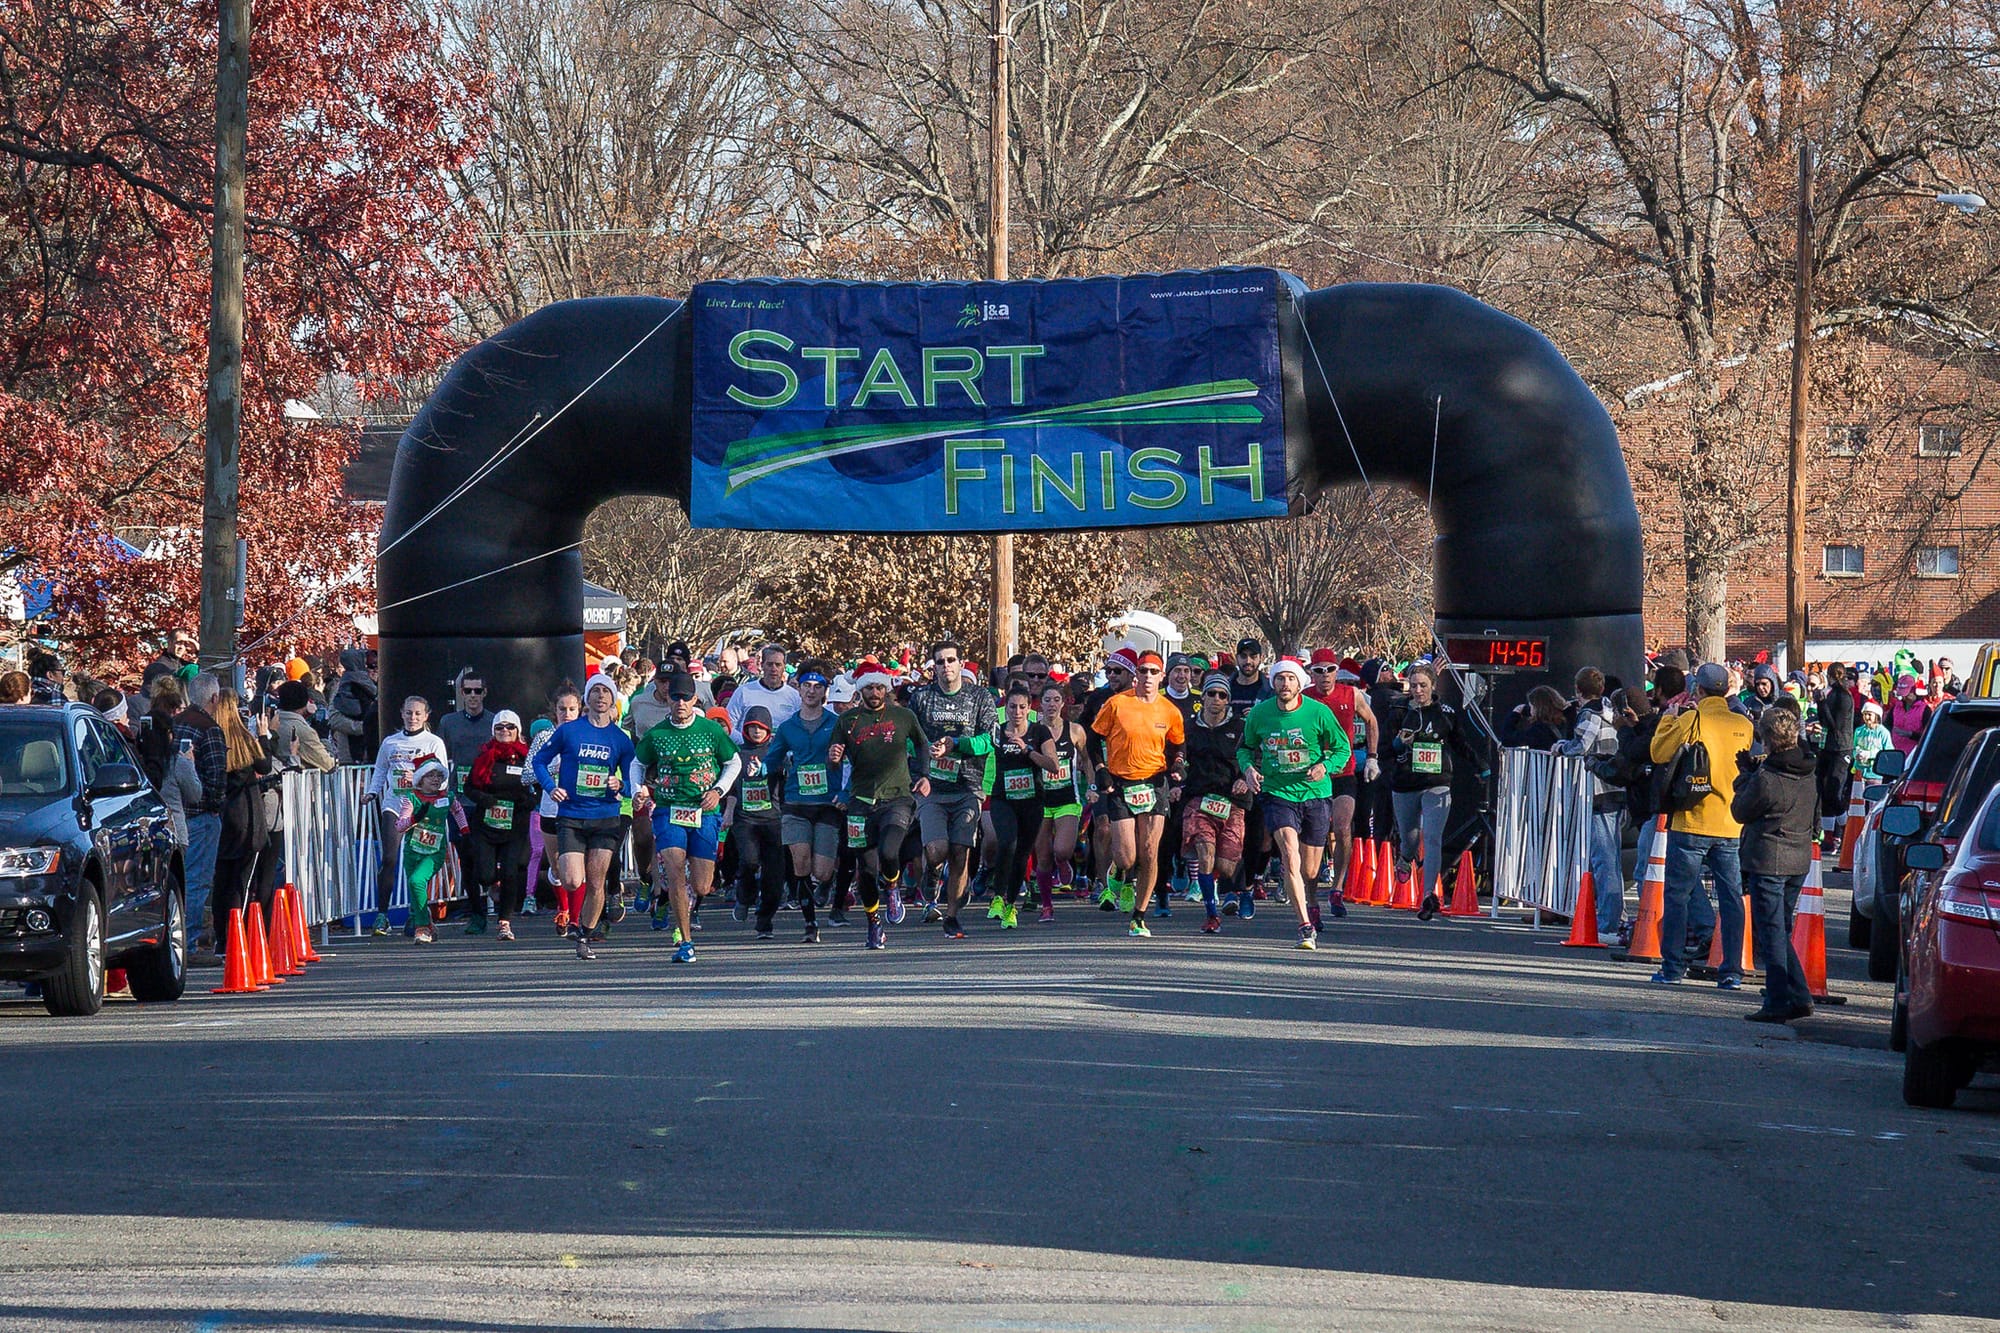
(981, 312)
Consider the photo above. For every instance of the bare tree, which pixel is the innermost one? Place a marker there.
(627, 151)
(1351, 571)
(1670, 169)
(682, 582)
(1121, 111)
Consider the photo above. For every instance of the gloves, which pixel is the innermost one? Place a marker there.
(1371, 770)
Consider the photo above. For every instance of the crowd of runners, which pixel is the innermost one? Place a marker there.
(873, 794)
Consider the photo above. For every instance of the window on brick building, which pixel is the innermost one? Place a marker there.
(1841, 561)
(1935, 440)
(1937, 562)
(1846, 440)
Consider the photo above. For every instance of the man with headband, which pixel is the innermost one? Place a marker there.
(1143, 735)
(813, 793)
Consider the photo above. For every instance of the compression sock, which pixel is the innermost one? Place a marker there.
(1208, 900)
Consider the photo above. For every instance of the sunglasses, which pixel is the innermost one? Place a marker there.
(1321, 670)
(506, 726)
(472, 689)
(683, 698)
(1215, 694)
(1150, 671)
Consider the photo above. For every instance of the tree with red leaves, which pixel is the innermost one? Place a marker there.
(355, 243)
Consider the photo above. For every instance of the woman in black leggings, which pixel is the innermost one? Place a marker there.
(1022, 751)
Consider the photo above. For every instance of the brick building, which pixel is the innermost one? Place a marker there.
(1903, 493)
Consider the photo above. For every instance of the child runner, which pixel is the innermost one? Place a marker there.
(423, 821)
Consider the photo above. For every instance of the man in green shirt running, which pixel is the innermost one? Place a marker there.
(1290, 745)
(877, 741)
(689, 762)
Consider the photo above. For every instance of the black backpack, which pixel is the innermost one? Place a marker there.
(1688, 783)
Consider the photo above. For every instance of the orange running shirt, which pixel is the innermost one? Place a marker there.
(1136, 734)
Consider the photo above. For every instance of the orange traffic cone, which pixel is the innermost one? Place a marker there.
(1583, 921)
(283, 961)
(1464, 888)
(1385, 875)
(236, 975)
(1645, 947)
(260, 950)
(1857, 815)
(1749, 941)
(306, 953)
(1809, 930)
(1404, 899)
(1715, 943)
(1355, 887)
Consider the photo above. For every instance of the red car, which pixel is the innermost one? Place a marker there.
(1948, 1005)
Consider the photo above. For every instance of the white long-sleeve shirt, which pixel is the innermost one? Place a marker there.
(782, 702)
(397, 760)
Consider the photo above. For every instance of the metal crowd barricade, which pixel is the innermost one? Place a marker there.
(1542, 831)
(333, 846)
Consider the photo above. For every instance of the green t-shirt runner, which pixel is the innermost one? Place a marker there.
(681, 763)
(1285, 744)
(879, 746)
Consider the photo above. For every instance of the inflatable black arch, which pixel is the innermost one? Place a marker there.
(1537, 534)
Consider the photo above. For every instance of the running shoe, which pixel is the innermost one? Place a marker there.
(1229, 905)
(575, 931)
(836, 917)
(878, 934)
(507, 931)
(381, 924)
(1429, 908)
(812, 933)
(738, 912)
(996, 909)
(1308, 938)
(1212, 926)
(425, 935)
(583, 949)
(952, 930)
(685, 954)
(1337, 904)
(475, 925)
(663, 916)
(528, 907)
(896, 913)
(1137, 930)
(933, 912)
(820, 895)
(766, 934)
(1048, 915)
(562, 922)
(616, 911)
(1164, 907)
(1246, 904)
(1010, 916)
(1127, 897)
(1107, 897)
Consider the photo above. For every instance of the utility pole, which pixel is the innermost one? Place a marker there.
(1795, 481)
(221, 588)
(1003, 626)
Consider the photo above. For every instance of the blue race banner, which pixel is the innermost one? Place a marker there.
(988, 406)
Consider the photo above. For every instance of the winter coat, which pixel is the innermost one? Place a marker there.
(1777, 802)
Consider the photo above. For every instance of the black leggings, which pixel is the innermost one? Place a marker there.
(501, 867)
(760, 867)
(1016, 825)
(1833, 782)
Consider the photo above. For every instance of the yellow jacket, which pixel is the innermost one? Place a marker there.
(1726, 734)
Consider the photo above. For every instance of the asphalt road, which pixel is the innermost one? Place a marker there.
(1455, 1125)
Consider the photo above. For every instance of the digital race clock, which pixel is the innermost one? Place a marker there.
(1486, 653)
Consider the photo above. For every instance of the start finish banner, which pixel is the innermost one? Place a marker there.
(991, 406)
